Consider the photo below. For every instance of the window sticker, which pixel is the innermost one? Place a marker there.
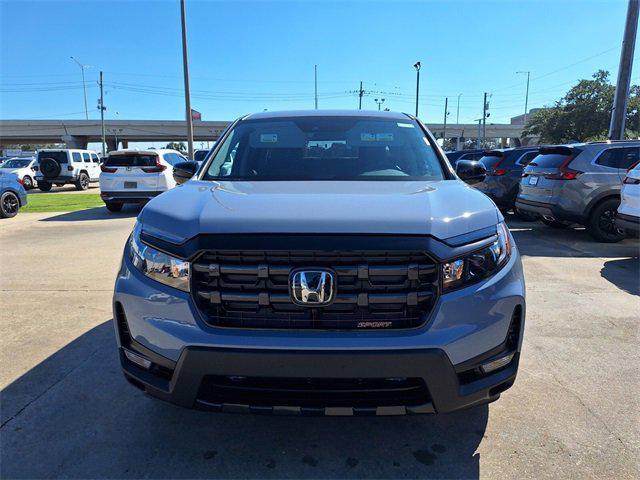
(384, 137)
(368, 137)
(268, 137)
(405, 125)
(376, 137)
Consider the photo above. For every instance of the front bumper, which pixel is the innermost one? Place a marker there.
(164, 326)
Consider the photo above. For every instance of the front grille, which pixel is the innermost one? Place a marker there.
(375, 289)
(313, 392)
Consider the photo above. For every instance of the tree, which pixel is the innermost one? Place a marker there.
(179, 146)
(583, 113)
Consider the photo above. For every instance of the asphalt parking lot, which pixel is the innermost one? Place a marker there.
(68, 412)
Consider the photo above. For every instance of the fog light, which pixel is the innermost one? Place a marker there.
(498, 363)
(138, 359)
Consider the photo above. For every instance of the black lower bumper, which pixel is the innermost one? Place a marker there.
(129, 197)
(628, 223)
(191, 381)
(547, 210)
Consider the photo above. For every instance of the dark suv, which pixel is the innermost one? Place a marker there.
(504, 169)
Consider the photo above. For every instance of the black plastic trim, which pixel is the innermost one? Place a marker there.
(437, 249)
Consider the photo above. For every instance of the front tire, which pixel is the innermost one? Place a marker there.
(9, 205)
(44, 186)
(83, 182)
(27, 182)
(113, 206)
(602, 226)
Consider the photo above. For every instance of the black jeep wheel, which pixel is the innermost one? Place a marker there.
(602, 223)
(9, 205)
(50, 168)
(44, 186)
(83, 182)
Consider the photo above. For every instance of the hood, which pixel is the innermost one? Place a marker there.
(442, 209)
(11, 170)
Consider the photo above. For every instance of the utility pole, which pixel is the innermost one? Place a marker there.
(444, 130)
(102, 109)
(315, 78)
(417, 67)
(458, 110)
(621, 98)
(484, 118)
(185, 68)
(526, 97)
(360, 94)
(84, 87)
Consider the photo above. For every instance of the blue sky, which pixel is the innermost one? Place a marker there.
(250, 56)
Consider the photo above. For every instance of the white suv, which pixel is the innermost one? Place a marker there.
(63, 166)
(136, 176)
(628, 217)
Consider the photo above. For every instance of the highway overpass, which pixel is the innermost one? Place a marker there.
(77, 133)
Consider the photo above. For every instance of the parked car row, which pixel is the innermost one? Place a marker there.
(567, 184)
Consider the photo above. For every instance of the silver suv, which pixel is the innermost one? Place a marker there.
(578, 183)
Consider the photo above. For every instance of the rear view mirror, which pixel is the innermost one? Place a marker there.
(471, 171)
(184, 171)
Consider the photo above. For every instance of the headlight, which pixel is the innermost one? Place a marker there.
(157, 265)
(478, 265)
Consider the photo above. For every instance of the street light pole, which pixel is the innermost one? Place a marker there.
(84, 87)
(185, 68)
(102, 109)
(444, 130)
(315, 81)
(379, 102)
(621, 98)
(417, 67)
(458, 110)
(526, 97)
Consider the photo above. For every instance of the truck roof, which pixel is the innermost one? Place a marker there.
(328, 113)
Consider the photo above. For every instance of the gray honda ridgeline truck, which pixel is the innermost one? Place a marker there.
(322, 262)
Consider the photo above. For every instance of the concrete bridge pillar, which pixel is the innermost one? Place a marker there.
(111, 144)
(75, 141)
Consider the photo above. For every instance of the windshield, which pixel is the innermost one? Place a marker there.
(60, 157)
(326, 148)
(131, 160)
(16, 163)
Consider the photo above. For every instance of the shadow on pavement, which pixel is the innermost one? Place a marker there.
(624, 273)
(97, 213)
(538, 240)
(74, 415)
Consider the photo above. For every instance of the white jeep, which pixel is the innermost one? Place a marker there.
(63, 166)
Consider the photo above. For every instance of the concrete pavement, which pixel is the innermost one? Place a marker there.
(67, 411)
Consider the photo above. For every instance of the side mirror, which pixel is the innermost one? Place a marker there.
(184, 171)
(471, 171)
